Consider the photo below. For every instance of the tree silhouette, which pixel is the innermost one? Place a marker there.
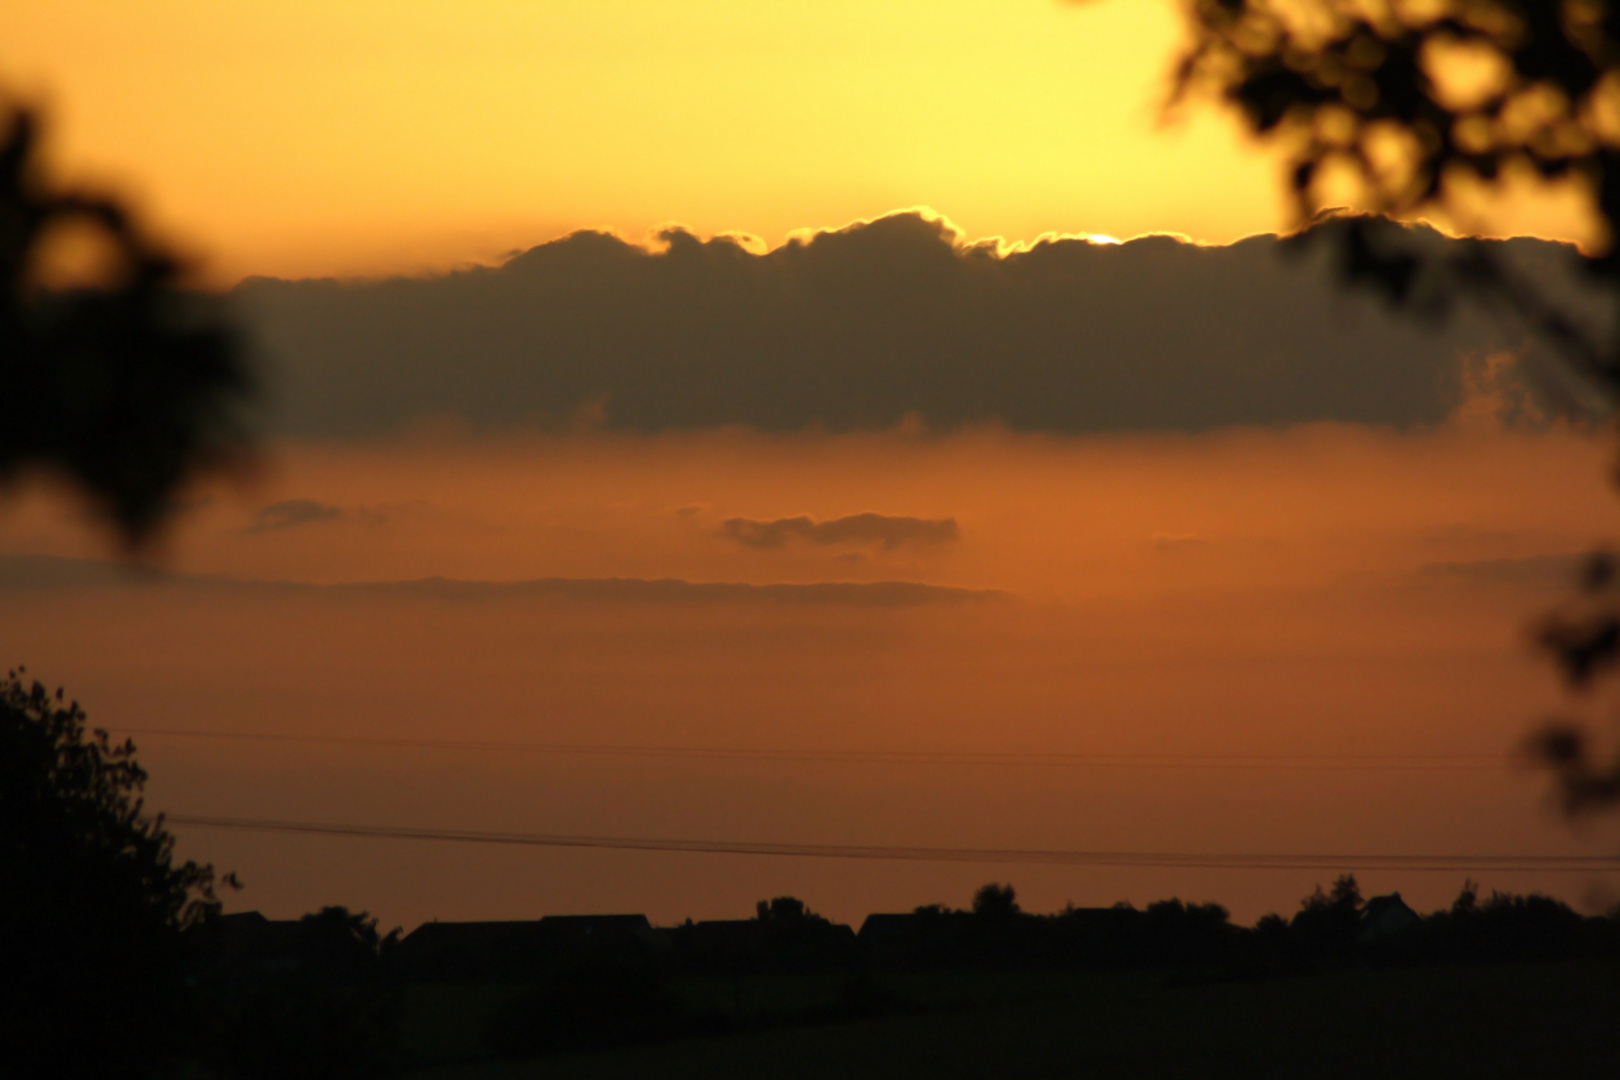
(343, 945)
(127, 386)
(1327, 922)
(788, 909)
(996, 903)
(93, 902)
(1422, 104)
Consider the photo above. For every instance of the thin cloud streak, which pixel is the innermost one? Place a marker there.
(20, 573)
(291, 513)
(886, 530)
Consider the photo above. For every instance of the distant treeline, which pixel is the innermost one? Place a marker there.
(325, 992)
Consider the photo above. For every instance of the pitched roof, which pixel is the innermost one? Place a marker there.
(1383, 915)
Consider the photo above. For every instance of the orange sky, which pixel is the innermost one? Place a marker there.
(1319, 589)
(362, 135)
(368, 135)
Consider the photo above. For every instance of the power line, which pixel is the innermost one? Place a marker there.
(1060, 857)
(1414, 762)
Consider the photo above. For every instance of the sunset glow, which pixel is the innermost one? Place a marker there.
(361, 137)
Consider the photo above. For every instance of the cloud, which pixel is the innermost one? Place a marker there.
(30, 573)
(1541, 570)
(675, 590)
(864, 327)
(883, 529)
(290, 514)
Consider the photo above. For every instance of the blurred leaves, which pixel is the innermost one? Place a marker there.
(1583, 640)
(1415, 104)
(128, 383)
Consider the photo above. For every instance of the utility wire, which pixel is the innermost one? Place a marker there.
(1060, 857)
(1422, 762)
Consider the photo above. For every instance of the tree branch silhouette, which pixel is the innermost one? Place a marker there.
(1379, 92)
(127, 386)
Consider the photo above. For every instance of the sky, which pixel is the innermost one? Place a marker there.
(741, 422)
(359, 136)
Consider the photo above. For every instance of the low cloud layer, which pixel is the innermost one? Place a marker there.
(875, 325)
(889, 531)
(672, 590)
(1546, 570)
(290, 514)
(31, 573)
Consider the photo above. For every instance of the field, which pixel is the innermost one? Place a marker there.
(1518, 1020)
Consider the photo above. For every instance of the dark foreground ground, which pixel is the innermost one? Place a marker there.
(1503, 1020)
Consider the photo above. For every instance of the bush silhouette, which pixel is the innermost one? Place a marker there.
(93, 902)
(1327, 924)
(995, 902)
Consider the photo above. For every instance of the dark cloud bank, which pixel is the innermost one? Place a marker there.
(858, 328)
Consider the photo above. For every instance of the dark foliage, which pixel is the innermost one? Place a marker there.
(286, 1027)
(784, 910)
(93, 903)
(605, 997)
(320, 997)
(1507, 927)
(995, 902)
(1339, 79)
(587, 1006)
(1332, 928)
(996, 934)
(795, 939)
(1583, 638)
(582, 1007)
(342, 946)
(1326, 924)
(1372, 88)
(1173, 932)
(1504, 928)
(127, 386)
(309, 999)
(785, 937)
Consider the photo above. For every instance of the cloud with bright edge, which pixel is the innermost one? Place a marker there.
(863, 327)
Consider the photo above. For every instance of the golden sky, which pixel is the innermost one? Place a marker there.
(304, 137)
(297, 138)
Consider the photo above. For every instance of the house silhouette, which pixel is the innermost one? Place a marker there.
(521, 949)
